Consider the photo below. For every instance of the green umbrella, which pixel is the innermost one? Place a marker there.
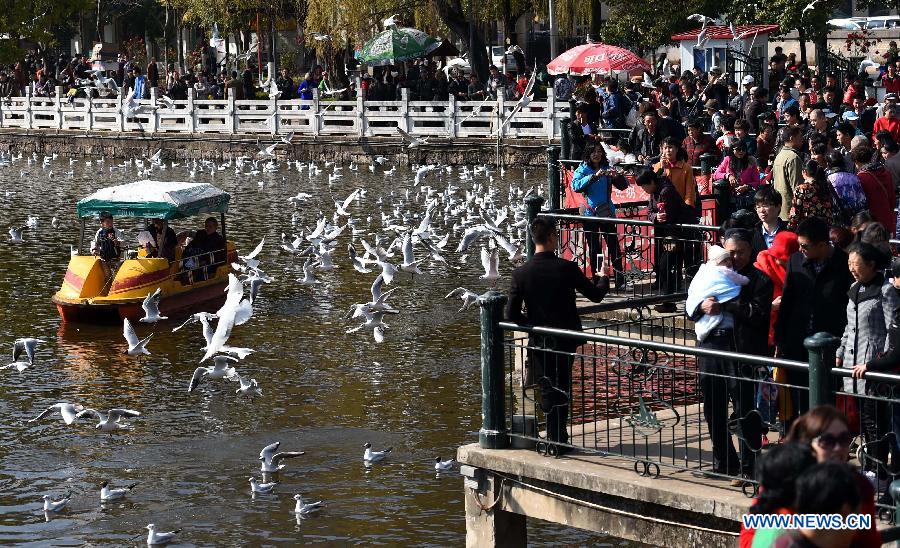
(397, 44)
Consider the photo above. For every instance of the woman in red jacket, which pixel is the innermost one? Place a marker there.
(878, 186)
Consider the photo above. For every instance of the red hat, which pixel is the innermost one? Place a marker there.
(784, 246)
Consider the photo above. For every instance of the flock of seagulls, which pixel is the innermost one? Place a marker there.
(394, 239)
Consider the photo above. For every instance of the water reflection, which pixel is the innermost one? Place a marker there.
(323, 391)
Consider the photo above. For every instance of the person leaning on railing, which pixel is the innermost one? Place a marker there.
(595, 180)
(546, 286)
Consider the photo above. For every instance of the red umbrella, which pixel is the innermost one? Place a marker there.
(596, 57)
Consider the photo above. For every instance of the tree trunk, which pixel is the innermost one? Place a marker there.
(460, 26)
(596, 20)
(801, 35)
(165, 54)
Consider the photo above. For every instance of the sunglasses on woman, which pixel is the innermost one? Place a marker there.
(831, 441)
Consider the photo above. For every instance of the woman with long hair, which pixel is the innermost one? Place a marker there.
(674, 166)
(595, 180)
(740, 170)
(812, 197)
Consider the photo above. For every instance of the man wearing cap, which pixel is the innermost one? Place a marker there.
(889, 122)
(889, 99)
(747, 84)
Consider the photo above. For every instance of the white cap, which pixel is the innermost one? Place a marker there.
(748, 80)
(716, 255)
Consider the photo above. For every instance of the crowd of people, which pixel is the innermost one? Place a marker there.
(813, 170)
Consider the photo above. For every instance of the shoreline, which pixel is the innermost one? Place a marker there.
(223, 147)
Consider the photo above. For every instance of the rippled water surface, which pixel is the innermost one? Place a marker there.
(325, 391)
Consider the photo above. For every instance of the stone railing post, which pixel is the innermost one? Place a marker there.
(553, 177)
(191, 115)
(493, 433)
(120, 110)
(317, 108)
(821, 348)
(154, 114)
(403, 122)
(58, 97)
(232, 113)
(551, 115)
(28, 115)
(451, 117)
(533, 205)
(361, 115)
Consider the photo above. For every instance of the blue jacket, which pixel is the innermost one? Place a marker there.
(615, 110)
(598, 192)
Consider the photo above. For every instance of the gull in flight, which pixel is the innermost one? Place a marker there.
(808, 7)
(468, 297)
(267, 151)
(68, 411)
(51, 505)
(262, 488)
(306, 507)
(235, 311)
(110, 421)
(219, 370)
(26, 345)
(409, 264)
(136, 347)
(443, 465)
(250, 259)
(309, 273)
(526, 98)
(413, 141)
(371, 456)
(15, 235)
(156, 538)
(392, 21)
(270, 459)
(380, 160)
(373, 321)
(358, 263)
(195, 318)
(286, 139)
(151, 307)
(705, 20)
(320, 37)
(379, 298)
(342, 206)
(515, 251)
(491, 263)
(248, 387)
(108, 494)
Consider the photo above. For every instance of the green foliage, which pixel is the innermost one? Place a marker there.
(637, 25)
(788, 14)
(34, 21)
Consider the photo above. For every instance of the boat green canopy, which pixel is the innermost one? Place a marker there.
(156, 200)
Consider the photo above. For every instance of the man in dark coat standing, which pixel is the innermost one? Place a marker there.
(745, 329)
(546, 285)
(814, 299)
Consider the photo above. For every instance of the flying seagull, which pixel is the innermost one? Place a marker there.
(270, 459)
(68, 411)
(136, 346)
(151, 307)
(110, 421)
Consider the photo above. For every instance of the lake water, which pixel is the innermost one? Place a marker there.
(324, 391)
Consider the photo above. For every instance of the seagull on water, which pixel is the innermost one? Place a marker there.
(220, 369)
(108, 494)
(306, 507)
(136, 346)
(270, 459)
(263, 488)
(15, 235)
(110, 421)
(371, 456)
(443, 465)
(151, 307)
(51, 505)
(155, 538)
(68, 411)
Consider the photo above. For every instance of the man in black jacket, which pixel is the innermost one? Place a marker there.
(582, 133)
(546, 285)
(744, 329)
(814, 299)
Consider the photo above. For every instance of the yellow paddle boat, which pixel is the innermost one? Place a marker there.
(96, 288)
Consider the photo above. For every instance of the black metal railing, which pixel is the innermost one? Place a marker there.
(647, 263)
(642, 400)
